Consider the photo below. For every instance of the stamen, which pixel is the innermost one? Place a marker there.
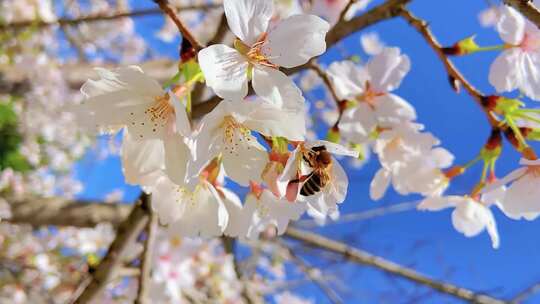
(161, 110)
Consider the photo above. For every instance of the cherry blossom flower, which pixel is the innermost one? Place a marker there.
(521, 197)
(370, 87)
(469, 217)
(517, 66)
(201, 212)
(263, 210)
(260, 51)
(127, 98)
(409, 162)
(227, 131)
(297, 171)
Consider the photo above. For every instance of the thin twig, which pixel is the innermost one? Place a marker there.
(313, 65)
(365, 258)
(146, 259)
(98, 17)
(527, 8)
(526, 293)
(422, 27)
(186, 33)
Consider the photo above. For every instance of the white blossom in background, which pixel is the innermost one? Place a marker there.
(27, 10)
(469, 216)
(260, 51)
(520, 199)
(330, 10)
(370, 86)
(516, 68)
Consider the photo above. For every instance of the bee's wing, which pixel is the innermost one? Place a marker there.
(332, 148)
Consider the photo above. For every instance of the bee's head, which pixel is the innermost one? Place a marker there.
(324, 158)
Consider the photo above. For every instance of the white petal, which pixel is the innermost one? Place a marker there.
(442, 157)
(225, 71)
(141, 158)
(176, 157)
(530, 69)
(528, 162)
(510, 25)
(523, 195)
(388, 69)
(296, 39)
(348, 79)
(271, 121)
(358, 123)
(371, 43)
(504, 72)
(465, 219)
(289, 172)
(182, 121)
(275, 87)
(237, 225)
(248, 19)
(514, 175)
(391, 109)
(379, 184)
(244, 160)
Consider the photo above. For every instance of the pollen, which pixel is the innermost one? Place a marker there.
(233, 134)
(161, 110)
(255, 54)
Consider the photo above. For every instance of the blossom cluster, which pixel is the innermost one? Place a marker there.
(184, 162)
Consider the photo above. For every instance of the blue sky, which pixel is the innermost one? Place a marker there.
(426, 242)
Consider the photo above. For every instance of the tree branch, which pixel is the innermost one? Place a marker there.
(453, 73)
(186, 33)
(85, 219)
(527, 8)
(126, 234)
(385, 11)
(365, 258)
(99, 17)
(146, 259)
(62, 212)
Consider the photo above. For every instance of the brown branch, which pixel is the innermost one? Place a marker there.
(385, 11)
(98, 17)
(62, 212)
(126, 234)
(186, 33)
(221, 31)
(422, 27)
(146, 259)
(84, 218)
(365, 258)
(527, 8)
(325, 78)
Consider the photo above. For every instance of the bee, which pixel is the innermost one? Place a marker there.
(320, 160)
